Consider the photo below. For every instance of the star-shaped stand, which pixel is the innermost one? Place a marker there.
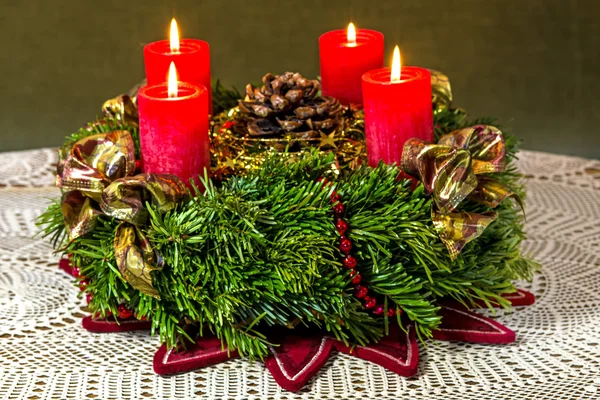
(301, 353)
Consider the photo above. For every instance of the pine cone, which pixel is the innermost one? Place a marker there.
(287, 106)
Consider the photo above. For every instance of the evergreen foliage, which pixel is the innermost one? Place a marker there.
(224, 98)
(261, 250)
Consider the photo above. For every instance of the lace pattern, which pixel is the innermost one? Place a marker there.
(45, 354)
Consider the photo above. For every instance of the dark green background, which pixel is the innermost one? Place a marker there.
(533, 63)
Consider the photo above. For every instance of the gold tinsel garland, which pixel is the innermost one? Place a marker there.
(234, 153)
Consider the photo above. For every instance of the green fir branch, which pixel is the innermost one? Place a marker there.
(51, 224)
(224, 98)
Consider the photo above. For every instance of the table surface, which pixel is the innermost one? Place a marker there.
(45, 353)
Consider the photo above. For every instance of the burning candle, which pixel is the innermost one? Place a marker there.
(174, 128)
(397, 105)
(345, 56)
(191, 56)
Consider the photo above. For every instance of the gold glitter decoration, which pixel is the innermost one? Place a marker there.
(235, 153)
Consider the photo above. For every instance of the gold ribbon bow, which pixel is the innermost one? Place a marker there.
(441, 92)
(451, 170)
(122, 108)
(96, 177)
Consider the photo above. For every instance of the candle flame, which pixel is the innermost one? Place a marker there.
(172, 81)
(396, 66)
(174, 36)
(351, 34)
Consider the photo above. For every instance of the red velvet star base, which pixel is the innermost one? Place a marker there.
(519, 298)
(461, 324)
(206, 351)
(110, 325)
(301, 353)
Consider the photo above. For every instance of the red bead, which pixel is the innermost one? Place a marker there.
(360, 291)
(345, 245)
(370, 302)
(391, 312)
(350, 262)
(356, 277)
(335, 197)
(83, 284)
(75, 272)
(142, 318)
(378, 310)
(88, 298)
(338, 209)
(341, 226)
(124, 313)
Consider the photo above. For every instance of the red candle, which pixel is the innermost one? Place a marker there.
(191, 56)
(174, 128)
(345, 56)
(397, 107)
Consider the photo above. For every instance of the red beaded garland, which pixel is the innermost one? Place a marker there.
(83, 284)
(350, 261)
(345, 245)
(356, 277)
(370, 302)
(338, 208)
(88, 298)
(360, 291)
(341, 226)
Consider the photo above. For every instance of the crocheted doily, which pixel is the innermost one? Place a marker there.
(45, 353)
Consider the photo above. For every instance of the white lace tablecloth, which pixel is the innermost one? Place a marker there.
(46, 354)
